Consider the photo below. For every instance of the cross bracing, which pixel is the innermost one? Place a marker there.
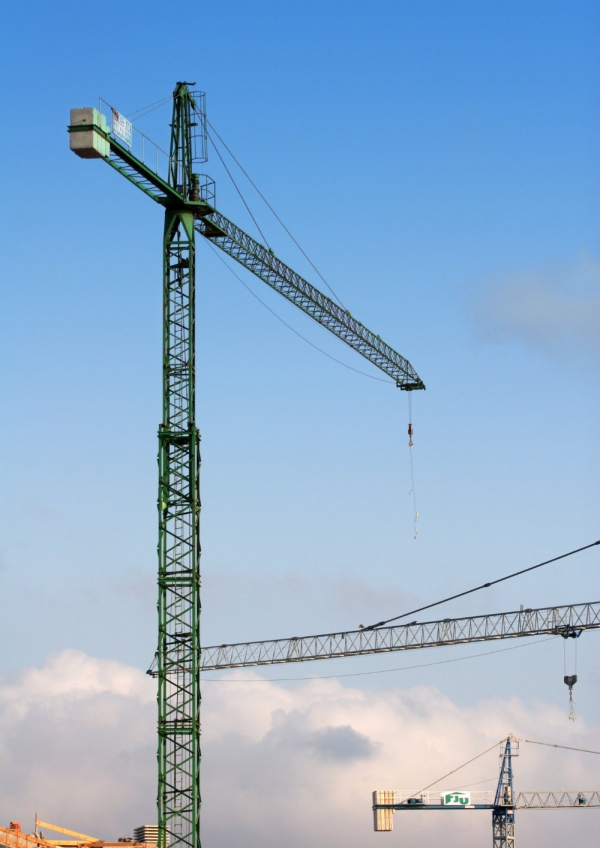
(404, 637)
(555, 800)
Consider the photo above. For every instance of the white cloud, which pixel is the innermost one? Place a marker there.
(76, 744)
(556, 308)
(283, 764)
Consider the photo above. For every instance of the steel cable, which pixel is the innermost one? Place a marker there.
(261, 195)
(565, 747)
(304, 339)
(416, 794)
(230, 175)
(482, 586)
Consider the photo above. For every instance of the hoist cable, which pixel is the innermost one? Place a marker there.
(482, 586)
(304, 339)
(259, 192)
(412, 470)
(217, 151)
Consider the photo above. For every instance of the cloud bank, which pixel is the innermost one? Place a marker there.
(283, 764)
(556, 308)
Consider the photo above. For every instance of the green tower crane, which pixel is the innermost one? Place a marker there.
(173, 181)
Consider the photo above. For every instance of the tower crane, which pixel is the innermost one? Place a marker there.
(188, 197)
(503, 803)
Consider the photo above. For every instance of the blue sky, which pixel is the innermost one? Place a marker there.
(438, 162)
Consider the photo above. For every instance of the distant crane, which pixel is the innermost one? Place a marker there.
(188, 198)
(13, 837)
(503, 804)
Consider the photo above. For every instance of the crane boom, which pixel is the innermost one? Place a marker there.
(557, 800)
(401, 801)
(405, 637)
(264, 264)
(254, 256)
(398, 801)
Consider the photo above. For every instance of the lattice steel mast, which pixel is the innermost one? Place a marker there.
(178, 654)
(503, 814)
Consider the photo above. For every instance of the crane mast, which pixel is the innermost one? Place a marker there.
(503, 814)
(178, 652)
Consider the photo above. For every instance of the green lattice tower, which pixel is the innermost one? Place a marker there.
(178, 656)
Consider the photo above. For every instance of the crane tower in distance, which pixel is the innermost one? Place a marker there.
(502, 803)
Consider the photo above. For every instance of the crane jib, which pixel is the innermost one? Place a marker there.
(258, 259)
(264, 264)
(405, 637)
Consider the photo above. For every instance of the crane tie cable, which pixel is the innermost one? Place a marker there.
(230, 175)
(149, 108)
(259, 192)
(565, 747)
(550, 745)
(445, 600)
(289, 326)
(482, 586)
(459, 768)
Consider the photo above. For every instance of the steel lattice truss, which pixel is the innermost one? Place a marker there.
(503, 829)
(404, 637)
(552, 800)
(178, 656)
(264, 264)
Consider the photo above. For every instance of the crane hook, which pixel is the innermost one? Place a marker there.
(570, 681)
